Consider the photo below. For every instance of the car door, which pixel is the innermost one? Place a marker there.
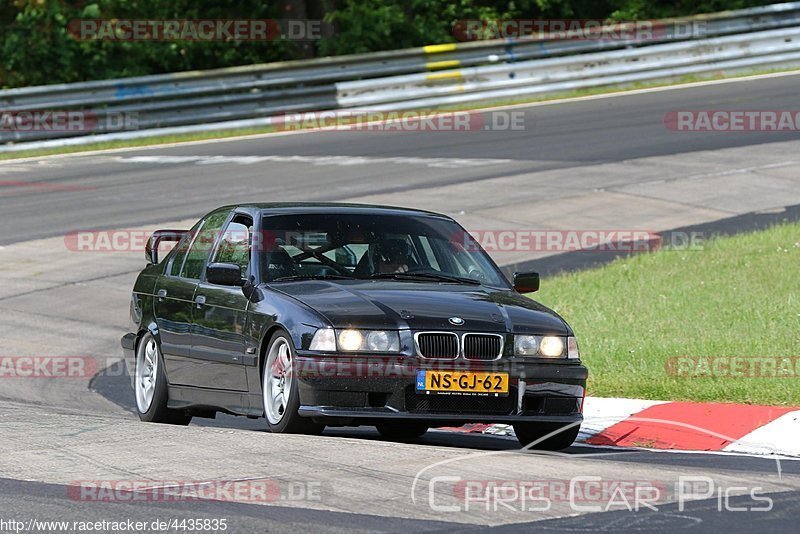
(220, 315)
(175, 293)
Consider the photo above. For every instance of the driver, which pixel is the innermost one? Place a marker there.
(393, 256)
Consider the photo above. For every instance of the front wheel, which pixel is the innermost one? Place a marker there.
(528, 433)
(150, 386)
(281, 398)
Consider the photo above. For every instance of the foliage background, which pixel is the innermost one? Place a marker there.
(36, 48)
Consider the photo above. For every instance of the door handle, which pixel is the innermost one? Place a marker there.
(200, 301)
(162, 294)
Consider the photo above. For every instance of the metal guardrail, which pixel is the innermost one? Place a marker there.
(430, 76)
(519, 79)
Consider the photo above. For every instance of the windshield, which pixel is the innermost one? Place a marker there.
(356, 246)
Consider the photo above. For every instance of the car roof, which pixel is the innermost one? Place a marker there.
(288, 208)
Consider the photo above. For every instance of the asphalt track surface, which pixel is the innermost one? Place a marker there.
(575, 136)
(53, 302)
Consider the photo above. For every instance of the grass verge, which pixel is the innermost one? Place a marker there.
(738, 297)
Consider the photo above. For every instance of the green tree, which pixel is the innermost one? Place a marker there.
(36, 46)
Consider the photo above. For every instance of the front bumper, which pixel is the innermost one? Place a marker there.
(366, 390)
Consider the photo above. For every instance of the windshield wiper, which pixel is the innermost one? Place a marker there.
(428, 277)
(312, 277)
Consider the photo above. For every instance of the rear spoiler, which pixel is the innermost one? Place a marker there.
(151, 249)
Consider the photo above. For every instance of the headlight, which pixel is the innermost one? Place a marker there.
(369, 341)
(379, 341)
(551, 346)
(526, 345)
(545, 346)
(350, 339)
(324, 340)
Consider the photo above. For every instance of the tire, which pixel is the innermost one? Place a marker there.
(279, 391)
(399, 431)
(528, 433)
(150, 386)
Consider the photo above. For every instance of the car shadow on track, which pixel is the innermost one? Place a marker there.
(116, 387)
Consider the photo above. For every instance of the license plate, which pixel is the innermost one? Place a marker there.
(462, 382)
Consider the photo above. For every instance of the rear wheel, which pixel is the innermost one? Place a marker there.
(528, 433)
(280, 395)
(399, 431)
(150, 386)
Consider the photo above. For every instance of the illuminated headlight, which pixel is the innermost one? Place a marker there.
(544, 346)
(324, 340)
(573, 352)
(350, 339)
(369, 340)
(551, 347)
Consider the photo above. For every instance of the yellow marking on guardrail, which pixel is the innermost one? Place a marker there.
(435, 49)
(443, 76)
(434, 65)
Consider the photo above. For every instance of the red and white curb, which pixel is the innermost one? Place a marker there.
(688, 426)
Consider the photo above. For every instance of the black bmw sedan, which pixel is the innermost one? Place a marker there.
(315, 315)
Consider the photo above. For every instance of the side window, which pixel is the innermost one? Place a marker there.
(203, 242)
(234, 245)
(180, 253)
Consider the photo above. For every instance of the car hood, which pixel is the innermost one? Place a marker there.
(423, 306)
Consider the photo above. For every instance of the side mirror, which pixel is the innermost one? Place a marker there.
(224, 274)
(526, 282)
(250, 291)
(151, 248)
